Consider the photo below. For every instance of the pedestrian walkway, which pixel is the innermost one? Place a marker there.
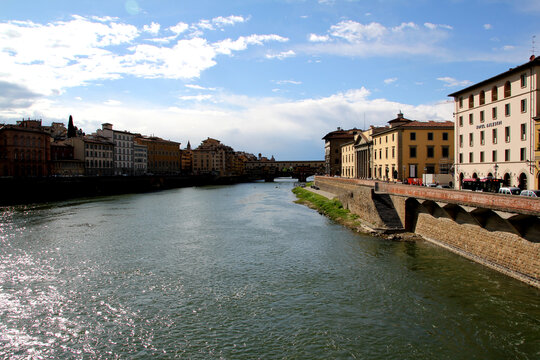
(326, 194)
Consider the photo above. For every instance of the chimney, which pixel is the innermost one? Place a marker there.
(532, 57)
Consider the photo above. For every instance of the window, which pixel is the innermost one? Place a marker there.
(523, 78)
(482, 116)
(430, 136)
(522, 154)
(460, 140)
(507, 89)
(481, 156)
(392, 137)
(494, 94)
(471, 101)
(524, 105)
(494, 156)
(482, 138)
(445, 136)
(471, 157)
(461, 121)
(460, 102)
(386, 138)
(523, 131)
(470, 119)
(507, 134)
(445, 151)
(386, 152)
(430, 152)
(482, 98)
(393, 152)
(412, 151)
(471, 139)
(507, 155)
(413, 136)
(494, 113)
(461, 158)
(507, 109)
(494, 135)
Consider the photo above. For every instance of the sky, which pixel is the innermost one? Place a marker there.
(262, 76)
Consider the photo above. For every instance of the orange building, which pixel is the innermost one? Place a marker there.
(24, 149)
(163, 155)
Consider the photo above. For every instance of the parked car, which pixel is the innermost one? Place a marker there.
(510, 190)
(443, 187)
(530, 193)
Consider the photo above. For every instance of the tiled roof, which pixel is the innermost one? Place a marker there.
(429, 124)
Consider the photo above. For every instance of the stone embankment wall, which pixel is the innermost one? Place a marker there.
(421, 210)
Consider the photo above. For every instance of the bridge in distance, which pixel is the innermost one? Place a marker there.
(269, 170)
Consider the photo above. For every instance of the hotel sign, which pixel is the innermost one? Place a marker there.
(491, 124)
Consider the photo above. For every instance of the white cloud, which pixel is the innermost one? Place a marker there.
(48, 58)
(199, 97)
(451, 82)
(390, 80)
(179, 28)
(285, 128)
(318, 38)
(198, 87)
(351, 38)
(432, 26)
(508, 47)
(292, 82)
(488, 26)
(153, 28)
(281, 55)
(113, 102)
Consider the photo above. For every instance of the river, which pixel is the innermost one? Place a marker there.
(242, 272)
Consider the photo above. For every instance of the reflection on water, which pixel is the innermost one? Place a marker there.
(242, 272)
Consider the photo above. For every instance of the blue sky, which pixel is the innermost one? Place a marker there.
(261, 76)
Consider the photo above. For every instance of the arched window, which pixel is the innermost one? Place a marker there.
(494, 95)
(482, 99)
(507, 89)
(471, 101)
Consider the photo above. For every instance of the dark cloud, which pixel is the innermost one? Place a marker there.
(13, 96)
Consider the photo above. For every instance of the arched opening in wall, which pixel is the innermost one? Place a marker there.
(538, 182)
(475, 176)
(489, 175)
(522, 181)
(506, 179)
(461, 177)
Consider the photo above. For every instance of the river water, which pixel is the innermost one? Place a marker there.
(242, 272)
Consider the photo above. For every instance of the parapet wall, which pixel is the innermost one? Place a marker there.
(492, 243)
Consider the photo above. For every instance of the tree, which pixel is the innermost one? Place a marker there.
(72, 131)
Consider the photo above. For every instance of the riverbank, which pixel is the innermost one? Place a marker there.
(19, 191)
(328, 205)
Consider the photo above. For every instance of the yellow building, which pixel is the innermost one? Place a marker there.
(409, 149)
(348, 160)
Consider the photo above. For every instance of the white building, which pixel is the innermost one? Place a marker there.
(494, 127)
(123, 149)
(140, 159)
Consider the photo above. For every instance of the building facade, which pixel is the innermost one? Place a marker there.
(96, 152)
(140, 159)
(164, 156)
(409, 149)
(332, 149)
(348, 160)
(495, 127)
(24, 149)
(124, 163)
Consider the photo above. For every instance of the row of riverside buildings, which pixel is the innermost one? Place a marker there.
(495, 134)
(30, 149)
